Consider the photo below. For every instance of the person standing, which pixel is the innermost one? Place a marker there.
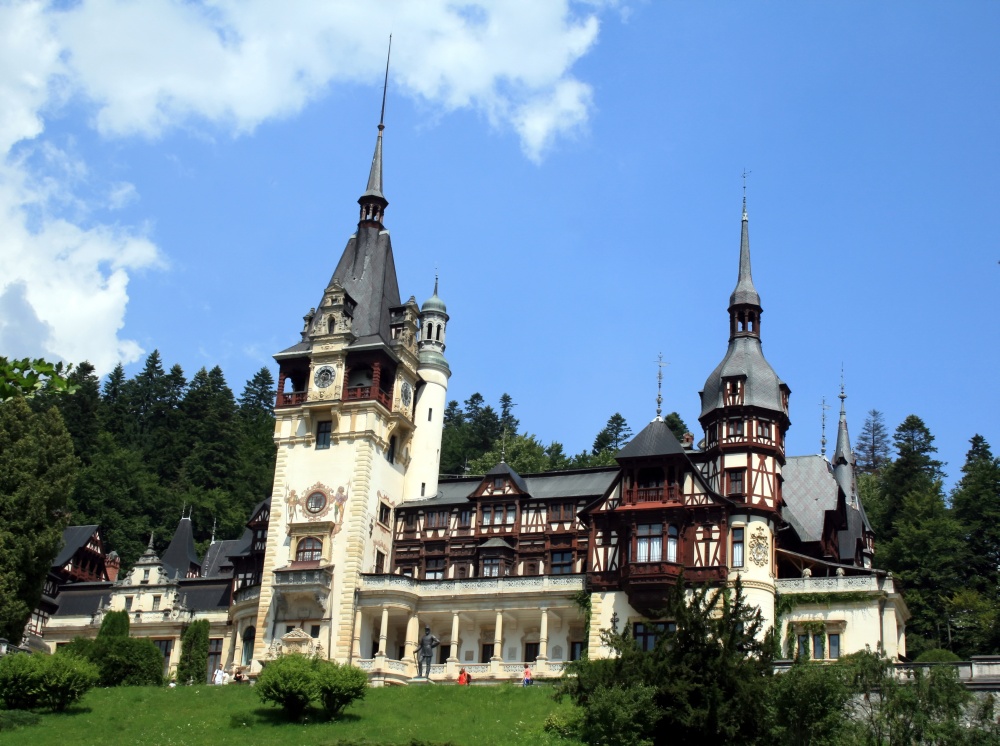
(527, 680)
(220, 676)
(463, 678)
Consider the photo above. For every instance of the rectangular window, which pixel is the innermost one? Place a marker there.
(531, 652)
(561, 564)
(498, 483)
(735, 428)
(166, 647)
(323, 430)
(487, 652)
(487, 515)
(379, 562)
(803, 649)
(384, 514)
(410, 520)
(128, 603)
(464, 518)
(314, 631)
(156, 603)
(834, 646)
(649, 544)
(435, 569)
(498, 515)
(764, 430)
(575, 650)
(735, 481)
(647, 633)
(491, 567)
(430, 415)
(737, 547)
(511, 515)
(214, 657)
(437, 519)
(818, 647)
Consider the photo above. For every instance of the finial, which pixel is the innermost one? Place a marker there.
(385, 86)
(745, 175)
(659, 384)
(435, 282)
(822, 442)
(503, 445)
(842, 395)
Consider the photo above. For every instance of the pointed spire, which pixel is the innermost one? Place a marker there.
(373, 202)
(843, 457)
(745, 293)
(659, 388)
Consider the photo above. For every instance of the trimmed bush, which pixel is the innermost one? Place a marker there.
(193, 665)
(114, 624)
(81, 647)
(65, 679)
(937, 655)
(339, 685)
(289, 682)
(20, 675)
(55, 682)
(128, 661)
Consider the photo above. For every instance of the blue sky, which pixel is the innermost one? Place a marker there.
(184, 176)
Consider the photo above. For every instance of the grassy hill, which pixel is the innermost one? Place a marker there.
(213, 715)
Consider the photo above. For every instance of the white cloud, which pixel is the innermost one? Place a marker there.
(145, 68)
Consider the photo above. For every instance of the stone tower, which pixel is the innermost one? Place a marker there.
(744, 413)
(348, 440)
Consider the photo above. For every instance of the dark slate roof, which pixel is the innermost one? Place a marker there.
(809, 490)
(573, 483)
(82, 599)
(367, 271)
(744, 358)
(217, 556)
(502, 469)
(495, 543)
(181, 555)
(656, 439)
(204, 595)
(375, 175)
(74, 537)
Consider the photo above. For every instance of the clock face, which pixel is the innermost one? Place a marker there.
(407, 394)
(316, 502)
(324, 376)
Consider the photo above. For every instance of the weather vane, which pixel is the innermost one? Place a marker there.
(745, 175)
(822, 441)
(659, 383)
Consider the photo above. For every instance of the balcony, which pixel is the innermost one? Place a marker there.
(663, 495)
(291, 398)
(467, 587)
(304, 581)
(367, 393)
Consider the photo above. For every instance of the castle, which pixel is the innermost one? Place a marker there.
(361, 545)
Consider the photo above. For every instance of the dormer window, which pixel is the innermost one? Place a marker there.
(498, 483)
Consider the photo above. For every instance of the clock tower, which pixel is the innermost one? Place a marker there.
(348, 440)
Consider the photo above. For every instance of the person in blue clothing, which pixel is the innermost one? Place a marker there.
(527, 680)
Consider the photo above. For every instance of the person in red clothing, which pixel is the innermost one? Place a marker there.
(463, 678)
(527, 680)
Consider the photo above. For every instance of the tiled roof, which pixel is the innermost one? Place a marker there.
(656, 439)
(74, 537)
(585, 483)
(809, 490)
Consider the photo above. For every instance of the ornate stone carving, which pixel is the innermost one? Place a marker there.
(759, 547)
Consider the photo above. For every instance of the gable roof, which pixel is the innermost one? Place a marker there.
(181, 555)
(73, 538)
(502, 469)
(568, 484)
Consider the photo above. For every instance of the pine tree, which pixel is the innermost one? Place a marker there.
(508, 422)
(614, 436)
(115, 416)
(81, 411)
(913, 470)
(37, 472)
(676, 425)
(453, 441)
(523, 453)
(255, 474)
(976, 503)
(871, 451)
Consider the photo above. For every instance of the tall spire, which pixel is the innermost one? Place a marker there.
(745, 293)
(373, 202)
(843, 457)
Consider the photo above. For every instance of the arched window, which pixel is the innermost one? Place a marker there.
(248, 637)
(429, 332)
(671, 543)
(438, 337)
(309, 549)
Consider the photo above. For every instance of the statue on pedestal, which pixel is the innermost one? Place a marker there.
(425, 653)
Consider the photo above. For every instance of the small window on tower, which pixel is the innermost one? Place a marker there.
(384, 514)
(438, 333)
(737, 547)
(379, 562)
(323, 430)
(736, 486)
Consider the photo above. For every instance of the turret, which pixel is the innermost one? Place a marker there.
(432, 393)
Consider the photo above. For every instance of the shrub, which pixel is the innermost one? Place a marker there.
(625, 715)
(339, 685)
(20, 675)
(51, 681)
(937, 655)
(64, 680)
(128, 661)
(289, 682)
(193, 666)
(114, 624)
(81, 647)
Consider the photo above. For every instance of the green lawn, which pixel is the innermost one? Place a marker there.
(465, 716)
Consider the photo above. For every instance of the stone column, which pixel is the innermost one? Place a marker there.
(497, 658)
(541, 664)
(383, 632)
(453, 653)
(356, 641)
(412, 630)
